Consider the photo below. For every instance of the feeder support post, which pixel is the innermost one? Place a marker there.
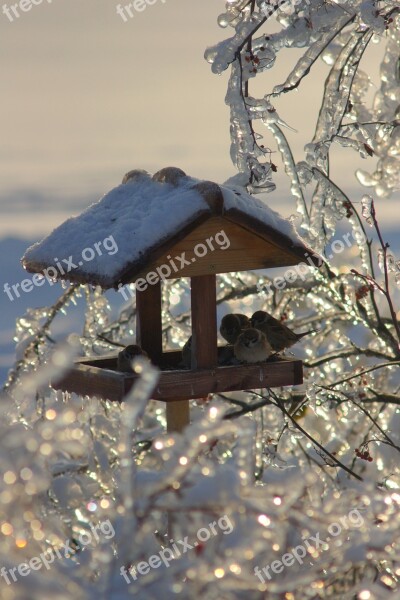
(149, 321)
(204, 322)
(204, 341)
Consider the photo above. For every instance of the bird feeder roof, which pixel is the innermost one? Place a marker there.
(142, 222)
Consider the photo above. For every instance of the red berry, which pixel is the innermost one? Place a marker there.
(199, 549)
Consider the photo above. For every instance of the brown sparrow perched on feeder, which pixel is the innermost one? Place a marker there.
(232, 325)
(252, 346)
(277, 334)
(225, 354)
(127, 355)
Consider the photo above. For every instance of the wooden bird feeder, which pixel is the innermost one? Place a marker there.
(152, 221)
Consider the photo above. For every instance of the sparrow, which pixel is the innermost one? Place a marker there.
(277, 334)
(172, 175)
(127, 355)
(232, 325)
(226, 355)
(135, 175)
(252, 346)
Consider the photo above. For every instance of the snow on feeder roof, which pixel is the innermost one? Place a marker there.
(150, 218)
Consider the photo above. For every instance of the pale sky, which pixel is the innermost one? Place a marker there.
(86, 97)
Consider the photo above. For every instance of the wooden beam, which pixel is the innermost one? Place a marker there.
(174, 386)
(204, 342)
(88, 380)
(178, 386)
(204, 322)
(149, 321)
(149, 337)
(178, 415)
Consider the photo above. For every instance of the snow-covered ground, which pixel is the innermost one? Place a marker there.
(21, 214)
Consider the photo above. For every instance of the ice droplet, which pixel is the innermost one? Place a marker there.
(210, 55)
(381, 259)
(391, 263)
(223, 20)
(367, 208)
